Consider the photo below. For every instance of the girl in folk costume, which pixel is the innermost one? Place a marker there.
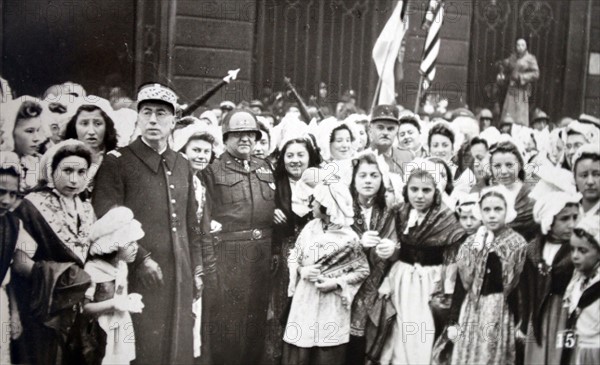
(507, 169)
(429, 236)
(292, 213)
(327, 266)
(113, 246)
(548, 267)
(581, 340)
(467, 206)
(586, 169)
(489, 264)
(547, 273)
(58, 222)
(374, 223)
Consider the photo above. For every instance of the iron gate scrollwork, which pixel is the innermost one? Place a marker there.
(496, 26)
(313, 41)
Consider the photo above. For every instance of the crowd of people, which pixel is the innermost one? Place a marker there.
(269, 232)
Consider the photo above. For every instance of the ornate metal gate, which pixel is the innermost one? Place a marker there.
(496, 26)
(313, 41)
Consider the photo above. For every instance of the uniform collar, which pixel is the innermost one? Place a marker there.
(237, 164)
(152, 158)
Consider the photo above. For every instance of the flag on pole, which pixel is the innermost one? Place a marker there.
(430, 14)
(432, 46)
(386, 51)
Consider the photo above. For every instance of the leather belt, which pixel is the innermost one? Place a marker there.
(248, 235)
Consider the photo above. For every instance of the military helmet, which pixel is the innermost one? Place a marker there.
(239, 120)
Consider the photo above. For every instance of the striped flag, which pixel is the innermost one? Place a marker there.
(430, 14)
(432, 46)
(386, 50)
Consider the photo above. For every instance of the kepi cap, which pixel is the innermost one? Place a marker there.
(157, 92)
(385, 112)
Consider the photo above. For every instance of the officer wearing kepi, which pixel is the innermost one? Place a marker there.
(240, 191)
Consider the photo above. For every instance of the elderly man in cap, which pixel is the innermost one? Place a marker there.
(240, 192)
(156, 183)
(383, 131)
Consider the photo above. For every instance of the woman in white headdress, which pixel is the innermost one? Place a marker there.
(24, 133)
(200, 144)
(337, 144)
(586, 169)
(548, 269)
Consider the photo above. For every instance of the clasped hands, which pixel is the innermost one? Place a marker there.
(312, 273)
(384, 248)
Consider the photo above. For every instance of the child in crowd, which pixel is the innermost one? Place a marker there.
(466, 206)
(114, 245)
(581, 339)
(326, 266)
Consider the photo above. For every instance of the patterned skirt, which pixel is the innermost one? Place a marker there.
(487, 332)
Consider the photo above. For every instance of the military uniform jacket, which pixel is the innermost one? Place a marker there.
(240, 199)
(159, 190)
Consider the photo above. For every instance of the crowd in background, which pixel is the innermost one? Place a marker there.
(279, 233)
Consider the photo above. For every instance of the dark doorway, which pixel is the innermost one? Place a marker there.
(86, 42)
(496, 26)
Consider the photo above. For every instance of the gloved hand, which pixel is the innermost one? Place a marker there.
(135, 304)
(215, 227)
(370, 239)
(385, 249)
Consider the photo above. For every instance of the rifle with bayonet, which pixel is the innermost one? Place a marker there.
(231, 75)
(301, 105)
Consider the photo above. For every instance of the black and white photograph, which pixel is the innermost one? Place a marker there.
(300, 182)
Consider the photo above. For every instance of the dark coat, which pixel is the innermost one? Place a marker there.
(9, 231)
(43, 338)
(235, 311)
(539, 282)
(159, 190)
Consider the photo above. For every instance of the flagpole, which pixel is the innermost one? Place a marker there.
(417, 102)
(387, 55)
(377, 89)
(380, 82)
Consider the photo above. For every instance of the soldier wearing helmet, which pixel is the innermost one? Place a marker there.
(240, 192)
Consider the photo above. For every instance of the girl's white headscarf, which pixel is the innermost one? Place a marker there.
(593, 149)
(182, 136)
(547, 208)
(509, 199)
(336, 198)
(46, 160)
(325, 130)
